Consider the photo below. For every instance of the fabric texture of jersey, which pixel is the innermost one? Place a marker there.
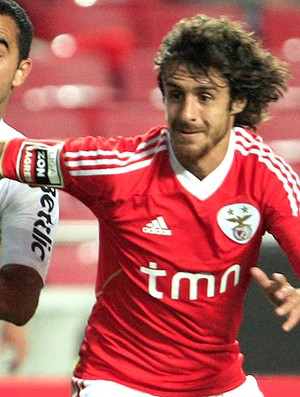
(175, 254)
(31, 216)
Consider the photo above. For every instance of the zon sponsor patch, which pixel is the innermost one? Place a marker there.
(38, 164)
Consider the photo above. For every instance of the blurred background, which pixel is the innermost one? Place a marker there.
(93, 74)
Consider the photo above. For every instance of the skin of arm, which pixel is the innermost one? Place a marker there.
(20, 288)
(15, 337)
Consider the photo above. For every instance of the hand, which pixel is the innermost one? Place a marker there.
(282, 294)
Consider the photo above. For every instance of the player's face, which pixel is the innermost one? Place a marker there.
(200, 115)
(12, 73)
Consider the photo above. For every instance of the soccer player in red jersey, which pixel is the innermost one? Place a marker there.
(182, 211)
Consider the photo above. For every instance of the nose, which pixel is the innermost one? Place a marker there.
(190, 109)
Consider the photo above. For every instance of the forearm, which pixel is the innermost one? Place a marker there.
(15, 338)
(20, 288)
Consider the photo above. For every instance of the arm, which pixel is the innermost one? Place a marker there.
(284, 296)
(20, 288)
(29, 217)
(14, 338)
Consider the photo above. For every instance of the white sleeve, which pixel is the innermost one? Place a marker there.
(28, 220)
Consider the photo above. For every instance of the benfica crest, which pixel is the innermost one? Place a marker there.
(239, 221)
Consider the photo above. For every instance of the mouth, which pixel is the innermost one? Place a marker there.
(189, 132)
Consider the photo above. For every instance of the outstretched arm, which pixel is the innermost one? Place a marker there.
(20, 288)
(282, 294)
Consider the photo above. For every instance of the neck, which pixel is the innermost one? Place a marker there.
(209, 161)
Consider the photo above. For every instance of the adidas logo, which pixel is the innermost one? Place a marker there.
(157, 226)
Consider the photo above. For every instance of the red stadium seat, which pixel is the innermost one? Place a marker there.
(102, 31)
(156, 17)
(283, 124)
(279, 22)
(61, 95)
(73, 264)
(51, 18)
(75, 69)
(48, 123)
(281, 34)
(129, 118)
(71, 208)
(139, 75)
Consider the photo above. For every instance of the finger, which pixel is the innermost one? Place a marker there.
(286, 292)
(266, 284)
(280, 279)
(287, 305)
(290, 300)
(261, 278)
(291, 322)
(284, 296)
(271, 286)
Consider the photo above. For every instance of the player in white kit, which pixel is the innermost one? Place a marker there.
(182, 210)
(28, 217)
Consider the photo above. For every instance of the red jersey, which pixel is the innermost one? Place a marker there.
(175, 252)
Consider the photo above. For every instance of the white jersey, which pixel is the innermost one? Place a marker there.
(28, 217)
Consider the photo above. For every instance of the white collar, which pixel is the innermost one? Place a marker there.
(205, 188)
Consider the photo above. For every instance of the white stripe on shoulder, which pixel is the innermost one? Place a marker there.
(246, 144)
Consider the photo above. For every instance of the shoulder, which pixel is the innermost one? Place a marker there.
(247, 139)
(259, 156)
(253, 145)
(264, 168)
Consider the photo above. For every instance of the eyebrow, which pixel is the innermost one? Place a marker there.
(199, 88)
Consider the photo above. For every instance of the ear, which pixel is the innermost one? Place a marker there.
(22, 72)
(238, 106)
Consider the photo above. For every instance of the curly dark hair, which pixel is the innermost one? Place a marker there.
(13, 10)
(219, 44)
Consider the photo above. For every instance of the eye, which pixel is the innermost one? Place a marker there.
(174, 95)
(3, 48)
(204, 97)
